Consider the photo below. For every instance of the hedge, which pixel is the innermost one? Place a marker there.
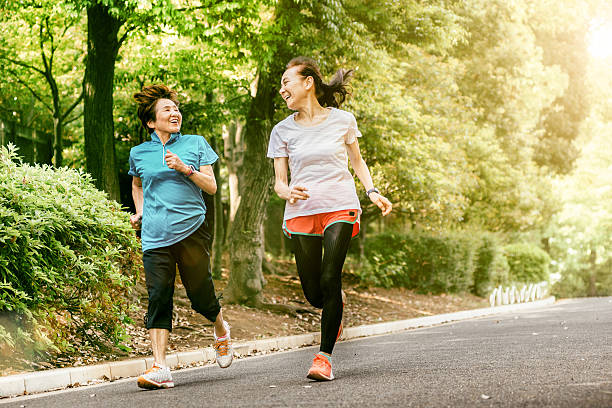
(528, 263)
(491, 267)
(453, 262)
(421, 261)
(68, 258)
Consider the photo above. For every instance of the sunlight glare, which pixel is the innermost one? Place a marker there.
(600, 40)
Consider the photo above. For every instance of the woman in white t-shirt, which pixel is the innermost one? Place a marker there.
(322, 210)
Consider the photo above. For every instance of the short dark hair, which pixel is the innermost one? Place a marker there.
(331, 94)
(147, 100)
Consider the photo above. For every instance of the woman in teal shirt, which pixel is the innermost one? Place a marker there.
(169, 173)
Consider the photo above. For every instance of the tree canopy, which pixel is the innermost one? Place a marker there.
(471, 110)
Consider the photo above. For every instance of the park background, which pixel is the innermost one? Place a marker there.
(486, 122)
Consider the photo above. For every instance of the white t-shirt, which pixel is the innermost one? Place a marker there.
(318, 160)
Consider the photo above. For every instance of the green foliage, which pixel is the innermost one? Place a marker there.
(67, 259)
(450, 262)
(567, 49)
(579, 234)
(42, 49)
(491, 266)
(593, 281)
(528, 263)
(420, 260)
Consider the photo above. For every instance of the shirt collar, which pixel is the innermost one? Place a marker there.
(173, 137)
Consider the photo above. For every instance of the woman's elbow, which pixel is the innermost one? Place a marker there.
(212, 189)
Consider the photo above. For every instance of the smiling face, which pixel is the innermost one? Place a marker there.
(295, 88)
(168, 118)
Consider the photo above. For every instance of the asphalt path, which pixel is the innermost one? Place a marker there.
(554, 356)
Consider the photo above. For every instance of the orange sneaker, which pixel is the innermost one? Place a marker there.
(321, 369)
(223, 348)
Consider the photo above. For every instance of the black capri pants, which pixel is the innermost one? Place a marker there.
(192, 255)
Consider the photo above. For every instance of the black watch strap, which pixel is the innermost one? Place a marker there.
(372, 190)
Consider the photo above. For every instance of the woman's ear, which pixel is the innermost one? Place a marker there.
(308, 82)
(151, 124)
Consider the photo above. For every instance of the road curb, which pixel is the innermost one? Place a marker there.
(19, 384)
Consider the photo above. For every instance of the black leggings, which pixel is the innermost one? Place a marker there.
(321, 275)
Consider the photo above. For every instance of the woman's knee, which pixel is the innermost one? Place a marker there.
(315, 300)
(331, 287)
(209, 308)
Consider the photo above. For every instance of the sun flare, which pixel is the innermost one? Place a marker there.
(600, 39)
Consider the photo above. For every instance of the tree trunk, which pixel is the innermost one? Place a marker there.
(592, 290)
(233, 145)
(362, 237)
(58, 146)
(245, 238)
(219, 235)
(102, 49)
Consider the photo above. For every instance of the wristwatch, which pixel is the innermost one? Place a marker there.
(192, 170)
(372, 190)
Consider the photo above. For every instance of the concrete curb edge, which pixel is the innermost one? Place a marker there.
(49, 380)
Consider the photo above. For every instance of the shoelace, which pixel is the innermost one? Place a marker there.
(321, 362)
(222, 346)
(153, 369)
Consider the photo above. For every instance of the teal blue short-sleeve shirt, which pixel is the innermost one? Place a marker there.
(173, 207)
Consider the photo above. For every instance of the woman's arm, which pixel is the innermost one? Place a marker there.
(363, 173)
(281, 182)
(204, 178)
(138, 200)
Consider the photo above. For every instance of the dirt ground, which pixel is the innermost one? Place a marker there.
(364, 305)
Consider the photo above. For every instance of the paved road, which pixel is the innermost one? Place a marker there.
(557, 356)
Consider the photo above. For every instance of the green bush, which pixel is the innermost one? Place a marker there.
(67, 259)
(593, 280)
(420, 260)
(528, 263)
(491, 266)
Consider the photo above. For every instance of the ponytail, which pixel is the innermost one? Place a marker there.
(330, 94)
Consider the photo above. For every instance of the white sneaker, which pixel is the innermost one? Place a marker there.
(223, 348)
(156, 377)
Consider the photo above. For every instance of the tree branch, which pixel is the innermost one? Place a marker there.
(22, 82)
(67, 121)
(43, 56)
(124, 36)
(53, 46)
(23, 64)
(200, 7)
(71, 108)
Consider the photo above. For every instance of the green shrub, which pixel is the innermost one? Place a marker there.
(67, 259)
(528, 263)
(420, 260)
(491, 266)
(592, 280)
(571, 285)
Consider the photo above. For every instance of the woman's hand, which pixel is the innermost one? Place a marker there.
(136, 221)
(174, 162)
(298, 193)
(381, 202)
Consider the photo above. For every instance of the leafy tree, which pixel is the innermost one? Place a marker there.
(580, 238)
(39, 41)
(327, 31)
(506, 79)
(563, 37)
